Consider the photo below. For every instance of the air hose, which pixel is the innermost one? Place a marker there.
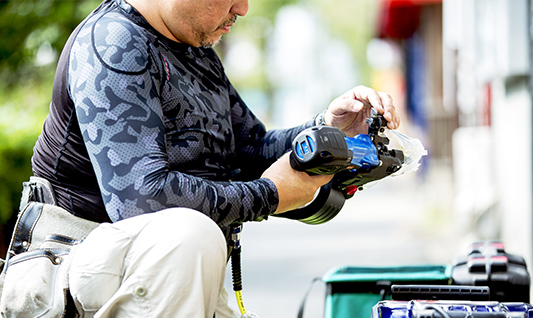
(237, 279)
(236, 267)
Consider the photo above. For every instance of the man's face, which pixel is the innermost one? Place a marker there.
(201, 22)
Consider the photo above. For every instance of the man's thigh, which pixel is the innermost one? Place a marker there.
(165, 264)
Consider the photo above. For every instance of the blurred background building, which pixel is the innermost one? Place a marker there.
(458, 70)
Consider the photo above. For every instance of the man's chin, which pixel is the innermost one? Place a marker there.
(210, 44)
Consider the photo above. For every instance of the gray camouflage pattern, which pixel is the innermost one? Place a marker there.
(164, 127)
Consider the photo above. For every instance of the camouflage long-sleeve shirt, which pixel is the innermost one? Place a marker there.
(139, 123)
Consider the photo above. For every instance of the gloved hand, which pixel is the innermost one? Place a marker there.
(249, 315)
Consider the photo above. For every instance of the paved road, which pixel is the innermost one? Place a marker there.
(400, 221)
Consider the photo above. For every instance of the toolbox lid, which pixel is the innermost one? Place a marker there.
(390, 273)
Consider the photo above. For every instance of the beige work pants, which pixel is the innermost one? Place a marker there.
(165, 264)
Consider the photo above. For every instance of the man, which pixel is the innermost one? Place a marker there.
(147, 135)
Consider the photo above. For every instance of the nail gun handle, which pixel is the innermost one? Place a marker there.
(320, 150)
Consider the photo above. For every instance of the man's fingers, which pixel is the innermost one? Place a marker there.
(367, 94)
(349, 111)
(389, 111)
(380, 101)
(357, 105)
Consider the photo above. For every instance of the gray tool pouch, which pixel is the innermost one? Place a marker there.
(34, 280)
(37, 190)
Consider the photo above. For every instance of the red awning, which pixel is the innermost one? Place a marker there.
(399, 19)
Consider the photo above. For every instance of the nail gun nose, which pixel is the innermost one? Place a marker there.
(393, 168)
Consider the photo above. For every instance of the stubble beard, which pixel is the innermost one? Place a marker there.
(206, 42)
(203, 37)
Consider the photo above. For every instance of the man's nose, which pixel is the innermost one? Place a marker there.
(240, 7)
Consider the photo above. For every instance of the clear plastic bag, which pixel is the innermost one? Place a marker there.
(413, 151)
(412, 148)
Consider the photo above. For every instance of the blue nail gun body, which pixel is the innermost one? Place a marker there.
(355, 161)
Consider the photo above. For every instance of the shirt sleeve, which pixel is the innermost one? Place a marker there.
(113, 82)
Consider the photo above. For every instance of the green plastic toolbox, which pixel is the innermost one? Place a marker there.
(351, 292)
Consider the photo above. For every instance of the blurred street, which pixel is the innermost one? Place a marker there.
(399, 221)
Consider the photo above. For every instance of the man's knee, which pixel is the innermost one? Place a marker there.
(170, 228)
(186, 229)
(171, 235)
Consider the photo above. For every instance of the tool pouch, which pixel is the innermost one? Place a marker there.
(34, 280)
(37, 190)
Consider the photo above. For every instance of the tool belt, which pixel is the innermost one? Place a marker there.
(34, 279)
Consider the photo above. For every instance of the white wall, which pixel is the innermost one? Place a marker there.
(487, 60)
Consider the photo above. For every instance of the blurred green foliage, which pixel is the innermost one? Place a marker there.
(21, 117)
(29, 28)
(32, 33)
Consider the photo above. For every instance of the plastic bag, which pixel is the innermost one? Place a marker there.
(413, 151)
